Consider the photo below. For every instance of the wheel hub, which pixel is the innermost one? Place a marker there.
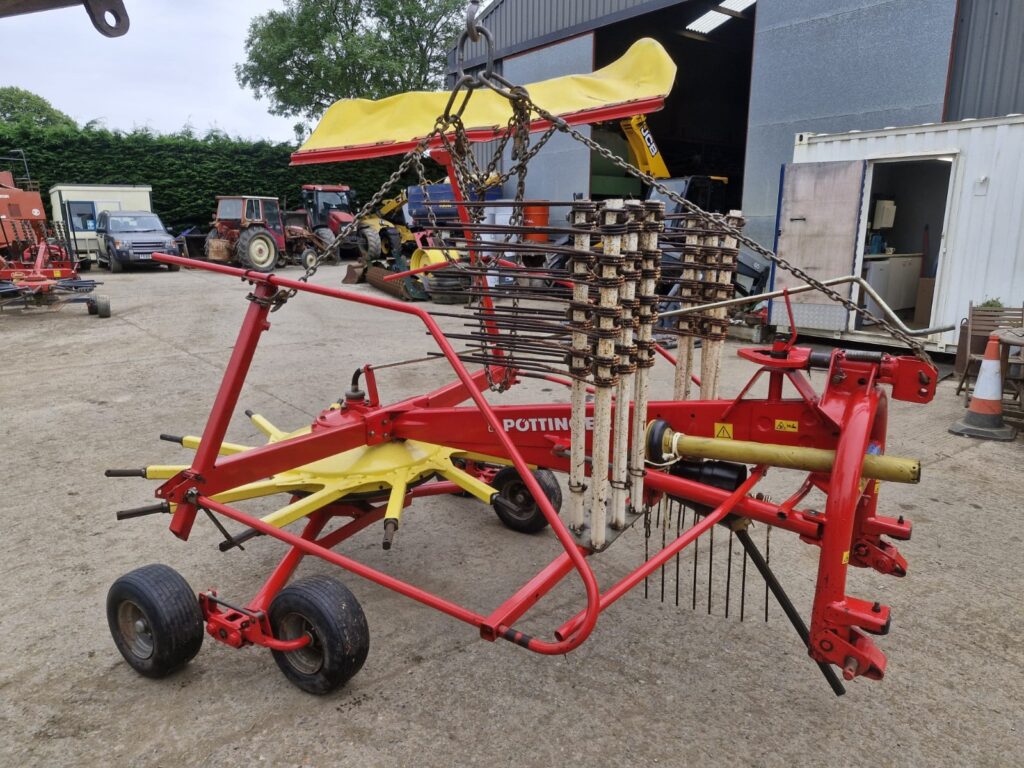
(135, 629)
(309, 658)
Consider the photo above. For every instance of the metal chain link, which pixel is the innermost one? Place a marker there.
(411, 158)
(720, 221)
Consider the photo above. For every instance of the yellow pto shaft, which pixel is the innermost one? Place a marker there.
(889, 468)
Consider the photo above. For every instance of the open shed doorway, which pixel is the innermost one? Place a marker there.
(905, 220)
(702, 130)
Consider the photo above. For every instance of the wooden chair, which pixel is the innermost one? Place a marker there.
(981, 321)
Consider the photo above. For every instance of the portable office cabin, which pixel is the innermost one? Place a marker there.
(957, 196)
(80, 204)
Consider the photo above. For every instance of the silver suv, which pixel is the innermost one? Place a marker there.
(132, 237)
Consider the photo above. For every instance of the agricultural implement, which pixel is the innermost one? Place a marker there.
(38, 268)
(633, 466)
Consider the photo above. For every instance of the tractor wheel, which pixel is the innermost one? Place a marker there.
(155, 620)
(115, 265)
(256, 250)
(324, 610)
(369, 244)
(325, 234)
(514, 505)
(100, 306)
(307, 258)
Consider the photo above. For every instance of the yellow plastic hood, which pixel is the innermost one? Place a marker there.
(354, 129)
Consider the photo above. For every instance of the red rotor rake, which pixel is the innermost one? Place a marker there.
(587, 319)
(839, 439)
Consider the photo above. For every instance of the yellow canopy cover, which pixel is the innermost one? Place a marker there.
(352, 129)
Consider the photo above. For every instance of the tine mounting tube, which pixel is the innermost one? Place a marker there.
(608, 314)
(626, 367)
(581, 261)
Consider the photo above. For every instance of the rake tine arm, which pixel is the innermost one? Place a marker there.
(786, 604)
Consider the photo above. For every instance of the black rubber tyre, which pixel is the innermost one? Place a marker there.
(256, 250)
(307, 258)
(325, 234)
(103, 306)
(173, 267)
(155, 620)
(85, 265)
(325, 609)
(115, 264)
(369, 244)
(90, 305)
(514, 505)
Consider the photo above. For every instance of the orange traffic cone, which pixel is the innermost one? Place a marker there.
(984, 417)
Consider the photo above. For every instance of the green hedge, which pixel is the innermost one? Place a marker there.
(186, 172)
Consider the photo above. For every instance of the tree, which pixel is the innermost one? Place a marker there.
(313, 52)
(20, 106)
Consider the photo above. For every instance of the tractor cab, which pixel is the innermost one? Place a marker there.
(329, 206)
(249, 230)
(237, 213)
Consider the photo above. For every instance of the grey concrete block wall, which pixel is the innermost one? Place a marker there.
(563, 164)
(837, 65)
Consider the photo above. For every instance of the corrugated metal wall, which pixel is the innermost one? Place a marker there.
(987, 76)
(837, 65)
(982, 255)
(518, 25)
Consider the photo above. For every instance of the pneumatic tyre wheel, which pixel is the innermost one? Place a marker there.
(256, 250)
(514, 505)
(173, 267)
(329, 614)
(116, 267)
(155, 620)
(102, 306)
(307, 258)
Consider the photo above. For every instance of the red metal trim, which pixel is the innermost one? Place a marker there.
(372, 574)
(528, 595)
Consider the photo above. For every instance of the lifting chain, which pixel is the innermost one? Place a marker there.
(720, 221)
(476, 180)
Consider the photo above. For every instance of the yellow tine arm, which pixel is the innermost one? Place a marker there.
(302, 507)
(396, 501)
(468, 483)
(163, 471)
(252, 491)
(266, 427)
(226, 449)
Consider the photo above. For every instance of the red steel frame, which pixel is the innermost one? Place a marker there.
(849, 417)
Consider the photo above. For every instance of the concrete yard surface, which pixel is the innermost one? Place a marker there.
(656, 683)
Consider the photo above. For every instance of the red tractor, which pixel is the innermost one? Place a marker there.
(329, 208)
(250, 231)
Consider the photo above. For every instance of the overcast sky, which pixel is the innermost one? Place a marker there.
(174, 66)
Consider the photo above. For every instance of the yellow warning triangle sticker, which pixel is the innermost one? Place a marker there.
(723, 430)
